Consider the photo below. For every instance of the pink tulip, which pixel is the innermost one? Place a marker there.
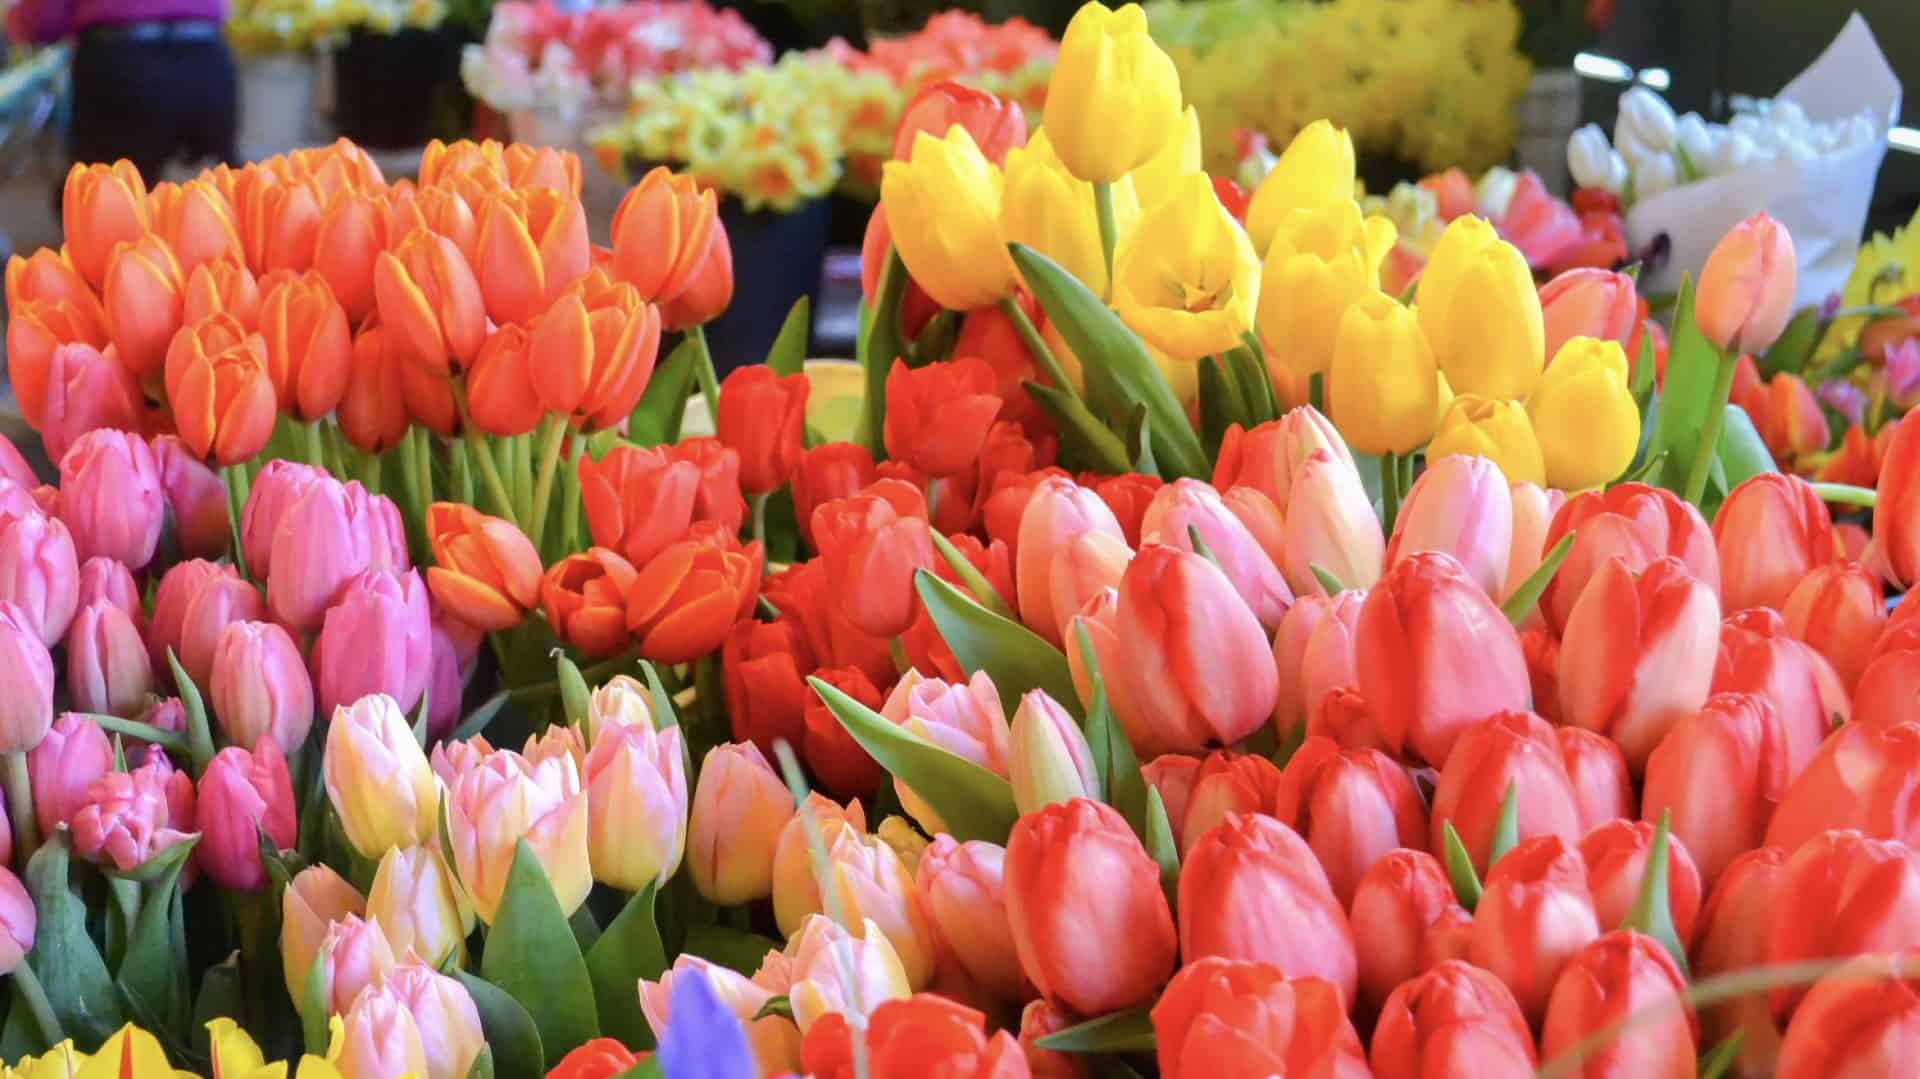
(1511, 749)
(103, 580)
(1757, 656)
(1462, 506)
(260, 689)
(1732, 937)
(1840, 611)
(1228, 782)
(18, 922)
(1720, 772)
(1771, 531)
(1588, 302)
(111, 498)
(1084, 566)
(377, 638)
(240, 796)
(1048, 759)
(1630, 521)
(1533, 510)
(279, 486)
(74, 753)
(39, 573)
(1057, 510)
(1174, 777)
(443, 1012)
(455, 650)
(1268, 457)
(221, 601)
(86, 391)
(1534, 917)
(26, 670)
(963, 889)
(128, 817)
(196, 497)
(107, 666)
(1394, 909)
(380, 1037)
(1352, 806)
(354, 955)
(1745, 295)
(1313, 653)
(1622, 974)
(176, 592)
(1597, 771)
(1262, 517)
(1188, 504)
(1330, 524)
(1616, 857)
(318, 547)
(636, 805)
(386, 532)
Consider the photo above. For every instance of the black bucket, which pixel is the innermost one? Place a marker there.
(398, 91)
(777, 259)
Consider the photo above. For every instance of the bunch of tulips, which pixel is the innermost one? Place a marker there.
(1201, 663)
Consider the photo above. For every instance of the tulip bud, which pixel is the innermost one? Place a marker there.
(40, 574)
(960, 393)
(1040, 1019)
(379, 1037)
(1839, 610)
(875, 887)
(213, 601)
(1057, 511)
(1049, 888)
(1272, 1020)
(315, 899)
(822, 960)
(1085, 566)
(1313, 653)
(1394, 908)
(962, 887)
(260, 688)
(308, 345)
(19, 920)
(773, 1040)
(85, 391)
(1588, 302)
(1733, 937)
(1757, 656)
(74, 753)
(1623, 973)
(1586, 384)
(1460, 506)
(488, 571)
(101, 206)
(1453, 1020)
(1616, 857)
(1746, 289)
(27, 712)
(1480, 313)
(419, 906)
(444, 1014)
(636, 806)
(1049, 759)
(1383, 387)
(429, 301)
(1534, 917)
(508, 798)
(1630, 521)
(761, 416)
(280, 485)
(1186, 506)
(241, 796)
(102, 580)
(1772, 531)
(740, 807)
(1315, 169)
(143, 295)
(378, 779)
(1499, 431)
(129, 817)
(1509, 749)
(879, 535)
(1597, 774)
(107, 667)
(663, 204)
(1226, 783)
(1108, 61)
(1352, 806)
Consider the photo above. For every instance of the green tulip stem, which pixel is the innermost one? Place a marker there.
(1109, 228)
(703, 371)
(1317, 391)
(316, 446)
(1389, 491)
(570, 495)
(1030, 336)
(1846, 495)
(489, 468)
(235, 479)
(1710, 433)
(26, 833)
(28, 983)
(172, 741)
(759, 504)
(553, 439)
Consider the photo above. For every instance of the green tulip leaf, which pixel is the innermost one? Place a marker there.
(1328, 582)
(1645, 375)
(628, 951)
(482, 1067)
(1249, 370)
(199, 733)
(880, 345)
(1121, 782)
(1743, 455)
(221, 994)
(532, 954)
(1520, 604)
(1130, 1031)
(1506, 827)
(1794, 347)
(735, 949)
(664, 715)
(477, 720)
(1652, 911)
(970, 575)
(1104, 344)
(1017, 658)
(656, 419)
(789, 351)
(1686, 394)
(1466, 883)
(1080, 429)
(1221, 406)
(1161, 847)
(646, 1069)
(509, 1030)
(314, 1011)
(1140, 442)
(1719, 1060)
(152, 976)
(72, 973)
(972, 802)
(574, 694)
(421, 714)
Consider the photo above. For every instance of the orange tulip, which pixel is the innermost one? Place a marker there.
(196, 221)
(1509, 749)
(541, 166)
(1221, 1019)
(279, 220)
(662, 234)
(1896, 516)
(871, 544)
(442, 212)
(597, 345)
(1732, 937)
(584, 597)
(373, 411)
(483, 162)
(1862, 1020)
(1616, 858)
(1395, 908)
(501, 399)
(1252, 889)
(429, 302)
(532, 245)
(1534, 916)
(637, 500)
(48, 277)
(34, 331)
(1352, 806)
(1630, 521)
(762, 416)
(353, 231)
(711, 289)
(101, 207)
(1454, 1020)
(488, 571)
(1757, 656)
(1839, 610)
(1792, 423)
(1597, 771)
(223, 285)
(207, 337)
(224, 405)
(1745, 294)
(308, 346)
(938, 415)
(1841, 894)
(1623, 974)
(143, 297)
(1720, 772)
(1861, 778)
(688, 596)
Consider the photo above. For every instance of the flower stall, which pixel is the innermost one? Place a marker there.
(1177, 654)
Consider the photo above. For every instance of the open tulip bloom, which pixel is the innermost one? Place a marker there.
(1192, 655)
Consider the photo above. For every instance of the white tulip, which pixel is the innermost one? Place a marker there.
(1494, 191)
(1733, 152)
(1645, 118)
(1653, 175)
(1590, 159)
(1787, 116)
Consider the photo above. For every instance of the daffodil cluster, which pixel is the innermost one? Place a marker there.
(270, 26)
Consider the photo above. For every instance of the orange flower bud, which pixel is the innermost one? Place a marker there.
(584, 599)
(34, 331)
(662, 234)
(372, 412)
(144, 302)
(532, 244)
(428, 395)
(101, 207)
(1535, 915)
(353, 230)
(1623, 973)
(488, 571)
(429, 302)
(46, 276)
(225, 284)
(541, 166)
(711, 289)
(201, 339)
(761, 417)
(308, 345)
(196, 221)
(224, 402)
(438, 210)
(688, 596)
(279, 220)
(501, 397)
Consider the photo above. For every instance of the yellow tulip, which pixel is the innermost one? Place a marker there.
(1046, 208)
(1497, 430)
(1317, 168)
(1185, 279)
(1179, 157)
(62, 1061)
(1584, 415)
(130, 1052)
(944, 206)
(1321, 260)
(1481, 312)
(1382, 392)
(1114, 99)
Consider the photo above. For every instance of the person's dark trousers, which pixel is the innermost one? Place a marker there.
(151, 93)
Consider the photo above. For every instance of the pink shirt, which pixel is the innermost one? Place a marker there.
(38, 22)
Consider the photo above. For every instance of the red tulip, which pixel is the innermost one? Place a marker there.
(1732, 937)
(871, 544)
(1861, 1020)
(1396, 907)
(938, 415)
(1224, 783)
(1616, 858)
(826, 472)
(1720, 772)
(1896, 517)
(1619, 975)
(1453, 1020)
(1839, 610)
(1630, 521)
(1588, 302)
(1771, 531)
(1352, 806)
(1510, 749)
(1534, 916)
(1223, 1019)
(1860, 778)
(996, 124)
(1602, 790)
(1891, 676)
(761, 416)
(1842, 894)
(1757, 656)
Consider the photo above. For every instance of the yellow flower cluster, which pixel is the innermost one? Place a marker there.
(132, 1053)
(270, 26)
(1887, 269)
(1431, 82)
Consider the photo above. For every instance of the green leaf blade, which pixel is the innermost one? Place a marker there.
(627, 952)
(531, 953)
(1017, 658)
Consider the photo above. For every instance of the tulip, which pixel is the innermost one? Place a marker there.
(827, 970)
(308, 345)
(377, 777)
(1621, 974)
(1188, 504)
(224, 402)
(1732, 937)
(1894, 534)
(101, 206)
(1331, 524)
(315, 899)
(39, 573)
(1353, 807)
(662, 234)
(1078, 865)
(997, 124)
(964, 264)
(143, 299)
(126, 818)
(1798, 538)
(1757, 656)
(1508, 749)
(1040, 1019)
(967, 720)
(243, 796)
(73, 754)
(683, 602)
(1044, 206)
(1720, 772)
(221, 600)
(506, 799)
(873, 887)
(1460, 506)
(1109, 66)
(842, 764)
(717, 493)
(1171, 601)
(1186, 278)
(1269, 456)
(531, 245)
(104, 581)
(637, 806)
(50, 307)
(963, 890)
(827, 472)
(379, 1037)
(761, 415)
(1383, 387)
(1856, 780)
(1057, 511)
(111, 498)
(1597, 772)
(27, 713)
(1838, 610)
(766, 696)
(1499, 431)
(1862, 1019)
(85, 390)
(1395, 905)
(1841, 894)
(280, 485)
(637, 501)
(1316, 168)
(1303, 686)
(353, 230)
(773, 1039)
(1453, 1020)
(444, 1014)
(1319, 260)
(740, 807)
(1746, 289)
(488, 571)
(429, 301)
(419, 905)
(1665, 625)
(260, 688)
(1082, 568)
(597, 344)
(196, 498)
(871, 543)
(1588, 302)
(224, 285)
(1226, 783)
(1630, 521)
(1253, 1019)
(107, 666)
(1049, 760)
(584, 599)
(1434, 655)
(278, 218)
(502, 397)
(1534, 916)
(178, 588)
(1533, 511)
(1615, 854)
(376, 640)
(960, 394)
(1587, 383)
(1479, 311)
(709, 293)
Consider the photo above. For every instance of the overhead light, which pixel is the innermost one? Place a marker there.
(1604, 68)
(1904, 138)
(1657, 77)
